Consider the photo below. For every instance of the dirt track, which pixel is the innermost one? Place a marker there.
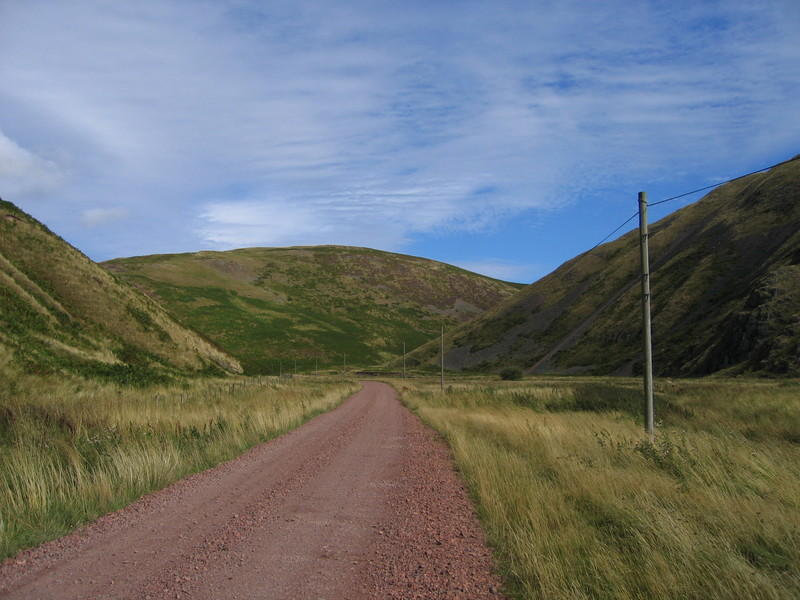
(361, 502)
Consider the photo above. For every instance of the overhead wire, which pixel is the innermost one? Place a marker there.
(713, 185)
(601, 242)
(684, 194)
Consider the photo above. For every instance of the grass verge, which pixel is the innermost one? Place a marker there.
(72, 450)
(578, 504)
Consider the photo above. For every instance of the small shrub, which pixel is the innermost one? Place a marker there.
(511, 374)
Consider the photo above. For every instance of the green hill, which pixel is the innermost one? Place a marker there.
(61, 312)
(312, 304)
(725, 279)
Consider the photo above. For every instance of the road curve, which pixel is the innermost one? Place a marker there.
(361, 502)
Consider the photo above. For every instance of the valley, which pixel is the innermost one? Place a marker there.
(211, 399)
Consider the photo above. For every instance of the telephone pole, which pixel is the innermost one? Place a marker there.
(441, 382)
(648, 345)
(404, 359)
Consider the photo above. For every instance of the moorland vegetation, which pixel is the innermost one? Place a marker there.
(317, 305)
(72, 449)
(578, 503)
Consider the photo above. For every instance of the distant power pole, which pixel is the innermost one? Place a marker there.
(648, 345)
(441, 382)
(404, 359)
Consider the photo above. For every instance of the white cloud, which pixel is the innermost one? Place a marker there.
(501, 269)
(366, 215)
(250, 223)
(103, 216)
(22, 172)
(243, 122)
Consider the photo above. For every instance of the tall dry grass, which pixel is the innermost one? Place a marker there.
(71, 450)
(578, 504)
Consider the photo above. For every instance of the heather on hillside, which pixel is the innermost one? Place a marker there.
(725, 285)
(323, 306)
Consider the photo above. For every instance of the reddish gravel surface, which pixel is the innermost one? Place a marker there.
(361, 502)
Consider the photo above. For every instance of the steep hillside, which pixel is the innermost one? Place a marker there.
(265, 305)
(725, 295)
(59, 311)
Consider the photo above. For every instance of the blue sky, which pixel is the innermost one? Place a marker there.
(505, 137)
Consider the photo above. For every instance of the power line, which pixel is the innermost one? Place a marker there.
(702, 189)
(628, 220)
(708, 187)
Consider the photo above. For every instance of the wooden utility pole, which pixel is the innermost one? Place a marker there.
(404, 360)
(442, 353)
(648, 345)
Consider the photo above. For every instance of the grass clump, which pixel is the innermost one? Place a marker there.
(578, 503)
(72, 450)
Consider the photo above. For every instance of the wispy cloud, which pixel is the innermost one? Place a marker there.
(23, 173)
(103, 216)
(242, 122)
(502, 269)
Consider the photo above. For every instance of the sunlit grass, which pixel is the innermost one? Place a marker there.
(71, 450)
(578, 504)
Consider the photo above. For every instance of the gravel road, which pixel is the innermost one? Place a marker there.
(361, 502)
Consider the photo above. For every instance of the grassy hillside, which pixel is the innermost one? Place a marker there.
(61, 312)
(265, 305)
(725, 282)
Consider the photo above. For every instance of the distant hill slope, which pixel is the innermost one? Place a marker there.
(59, 311)
(264, 305)
(725, 278)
